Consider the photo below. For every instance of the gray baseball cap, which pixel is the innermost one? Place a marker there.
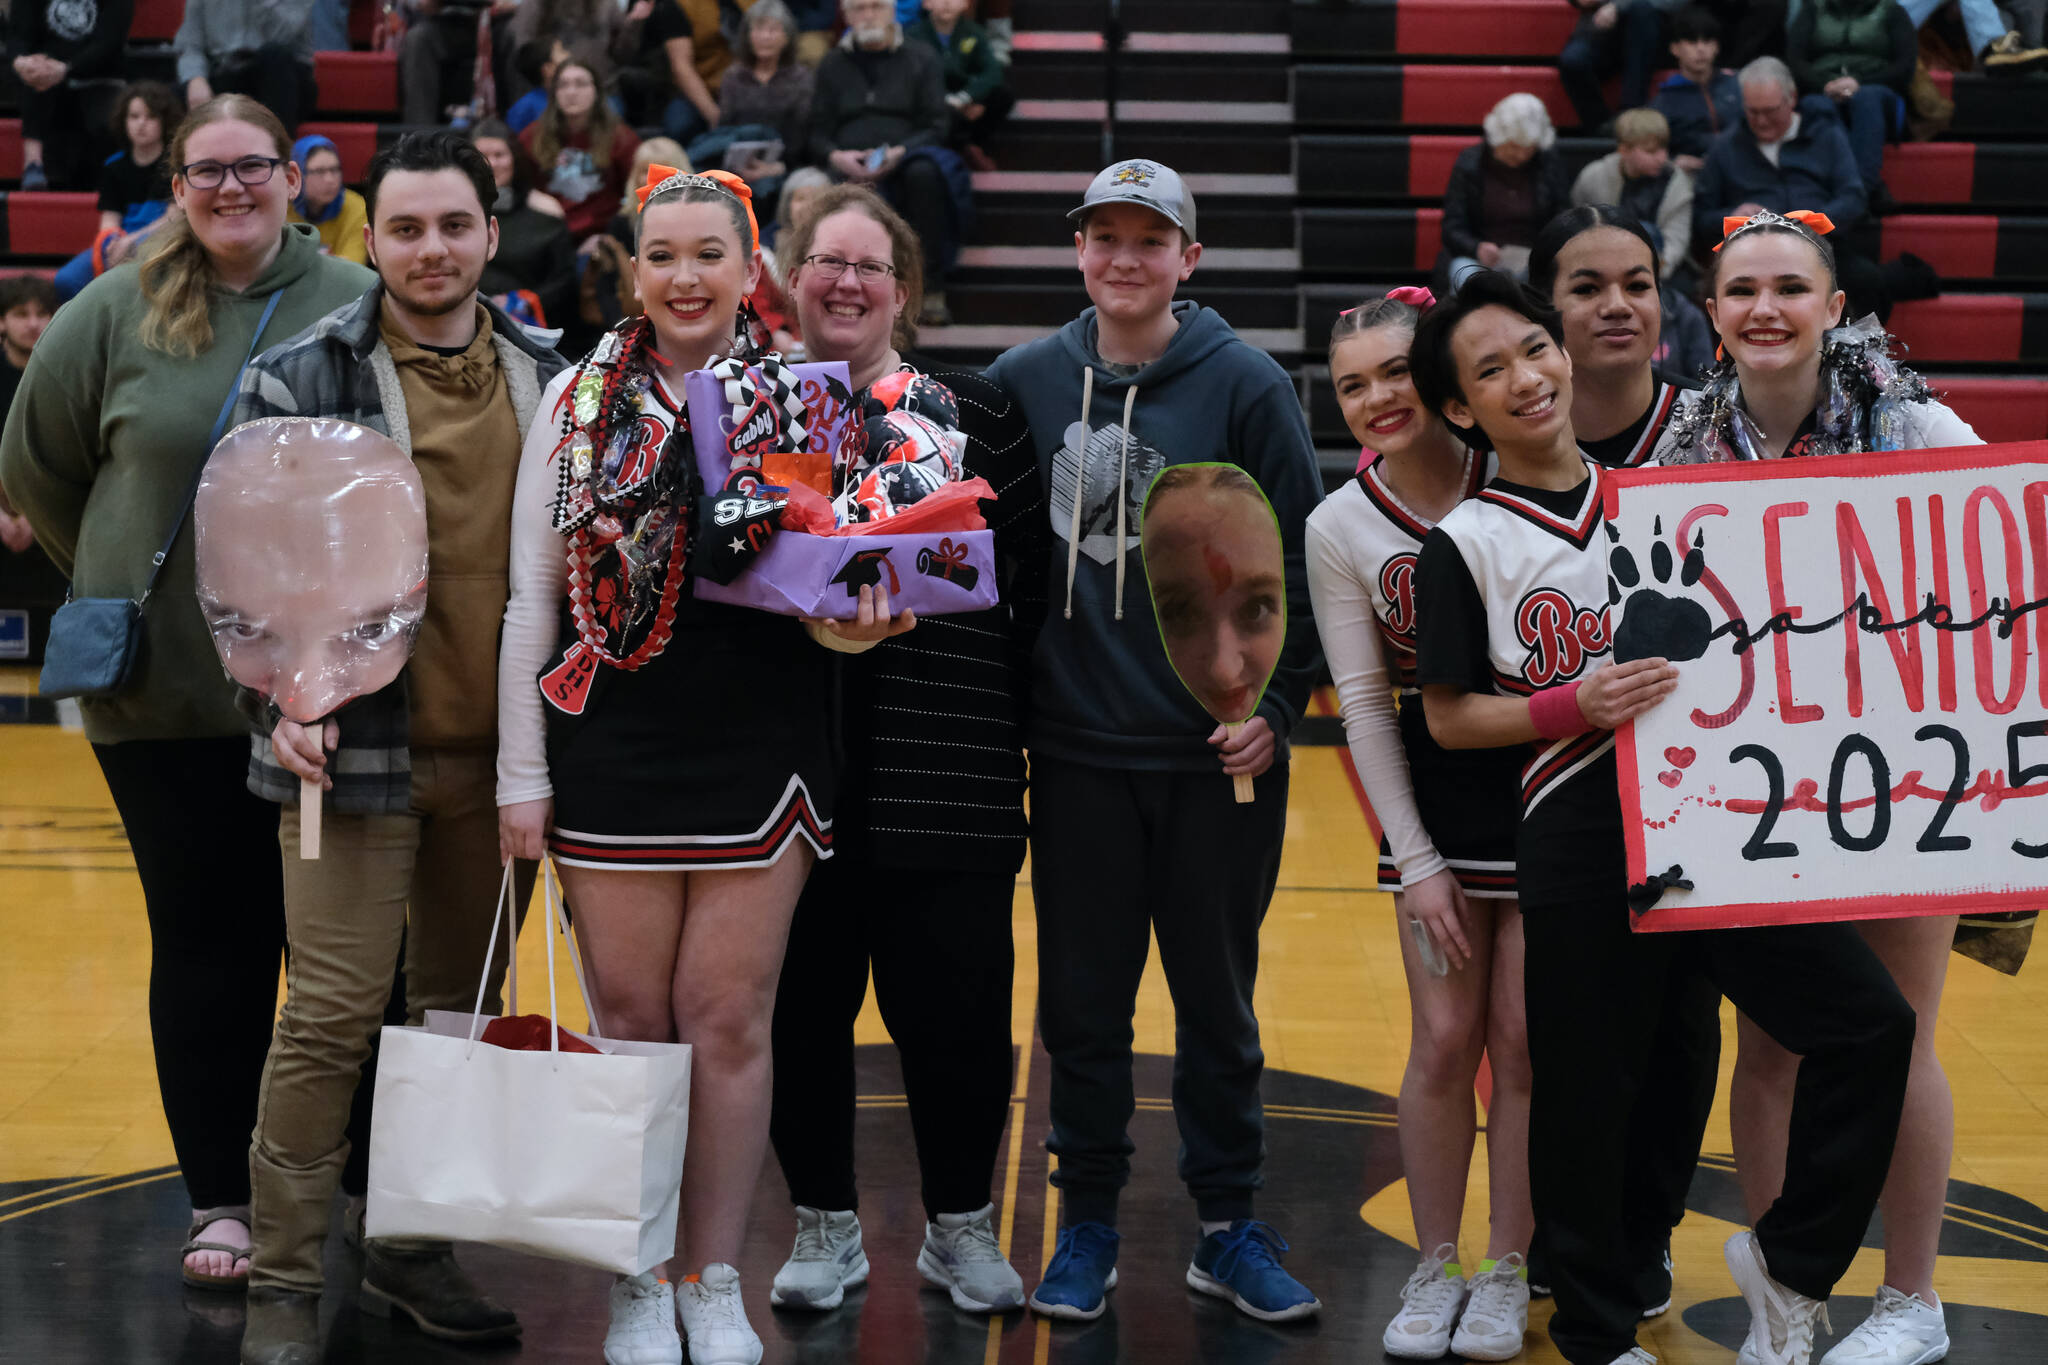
(1139, 181)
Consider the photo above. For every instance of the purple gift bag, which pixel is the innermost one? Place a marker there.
(799, 574)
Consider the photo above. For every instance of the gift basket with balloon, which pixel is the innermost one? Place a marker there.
(811, 493)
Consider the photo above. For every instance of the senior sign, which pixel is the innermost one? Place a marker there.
(1860, 727)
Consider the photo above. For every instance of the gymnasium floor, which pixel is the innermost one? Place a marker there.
(91, 1209)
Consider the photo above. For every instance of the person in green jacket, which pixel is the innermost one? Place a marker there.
(977, 76)
(107, 433)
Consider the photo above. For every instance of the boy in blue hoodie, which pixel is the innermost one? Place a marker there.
(1134, 829)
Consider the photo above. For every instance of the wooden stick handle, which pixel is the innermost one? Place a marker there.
(310, 802)
(1241, 783)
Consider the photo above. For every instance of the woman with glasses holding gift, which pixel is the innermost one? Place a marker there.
(930, 818)
(106, 437)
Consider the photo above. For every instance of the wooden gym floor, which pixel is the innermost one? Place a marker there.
(91, 1209)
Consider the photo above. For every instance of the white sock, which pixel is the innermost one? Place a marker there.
(1210, 1228)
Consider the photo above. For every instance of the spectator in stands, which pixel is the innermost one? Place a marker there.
(536, 63)
(764, 96)
(817, 23)
(977, 80)
(437, 58)
(1501, 193)
(686, 39)
(1704, 99)
(1638, 176)
(59, 48)
(1994, 32)
(654, 151)
(26, 305)
(1751, 28)
(259, 48)
(581, 150)
(99, 454)
(799, 192)
(879, 116)
(335, 211)
(135, 185)
(1612, 35)
(28, 580)
(1860, 54)
(1782, 157)
(601, 34)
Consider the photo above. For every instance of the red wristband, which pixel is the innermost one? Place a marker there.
(1555, 712)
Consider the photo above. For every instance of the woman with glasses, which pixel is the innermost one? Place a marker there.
(107, 434)
(335, 211)
(930, 831)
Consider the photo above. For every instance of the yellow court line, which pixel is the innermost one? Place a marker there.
(1998, 1232)
(49, 1190)
(1953, 1208)
(89, 1194)
(1009, 1222)
(1042, 1348)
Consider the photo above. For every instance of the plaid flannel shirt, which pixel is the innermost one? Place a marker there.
(341, 368)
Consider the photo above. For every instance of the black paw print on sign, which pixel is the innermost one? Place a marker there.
(1654, 626)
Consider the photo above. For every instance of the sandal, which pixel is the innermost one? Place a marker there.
(202, 1220)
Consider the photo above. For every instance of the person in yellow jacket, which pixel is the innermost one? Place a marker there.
(324, 203)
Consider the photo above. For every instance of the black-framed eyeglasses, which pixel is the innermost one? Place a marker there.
(832, 267)
(250, 170)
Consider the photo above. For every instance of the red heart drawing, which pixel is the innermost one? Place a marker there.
(1671, 778)
(1680, 758)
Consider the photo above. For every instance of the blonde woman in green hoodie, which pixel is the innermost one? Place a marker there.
(107, 433)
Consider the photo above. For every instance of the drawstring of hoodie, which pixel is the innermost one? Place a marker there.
(1123, 469)
(1123, 499)
(1080, 484)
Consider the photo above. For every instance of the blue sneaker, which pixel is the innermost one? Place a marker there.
(1083, 1269)
(1242, 1264)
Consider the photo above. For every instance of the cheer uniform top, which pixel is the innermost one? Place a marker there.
(1438, 807)
(714, 754)
(1636, 444)
(1511, 592)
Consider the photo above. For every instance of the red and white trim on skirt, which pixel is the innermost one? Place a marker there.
(792, 819)
(1479, 880)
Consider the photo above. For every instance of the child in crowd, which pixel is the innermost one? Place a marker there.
(535, 61)
(977, 76)
(1130, 801)
(1638, 176)
(1700, 101)
(335, 211)
(135, 186)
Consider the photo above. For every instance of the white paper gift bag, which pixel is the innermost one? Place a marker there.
(561, 1154)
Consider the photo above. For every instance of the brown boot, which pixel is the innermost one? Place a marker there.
(283, 1328)
(421, 1280)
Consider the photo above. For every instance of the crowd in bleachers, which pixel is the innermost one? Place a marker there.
(901, 94)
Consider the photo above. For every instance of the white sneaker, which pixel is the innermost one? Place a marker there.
(1429, 1309)
(1496, 1316)
(827, 1261)
(714, 1320)
(1780, 1319)
(961, 1255)
(643, 1330)
(1902, 1329)
(1636, 1356)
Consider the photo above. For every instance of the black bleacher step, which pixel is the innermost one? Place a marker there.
(1043, 219)
(1148, 76)
(1059, 299)
(1049, 145)
(1148, 16)
(1321, 302)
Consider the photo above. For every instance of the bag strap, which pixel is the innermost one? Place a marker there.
(558, 918)
(219, 425)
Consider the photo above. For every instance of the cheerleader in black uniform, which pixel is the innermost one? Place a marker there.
(684, 785)
(1448, 851)
(1514, 649)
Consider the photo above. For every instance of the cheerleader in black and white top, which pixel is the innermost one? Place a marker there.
(1514, 648)
(1448, 849)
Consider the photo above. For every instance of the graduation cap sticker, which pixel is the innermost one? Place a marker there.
(865, 570)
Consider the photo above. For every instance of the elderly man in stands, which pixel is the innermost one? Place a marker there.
(1787, 155)
(879, 116)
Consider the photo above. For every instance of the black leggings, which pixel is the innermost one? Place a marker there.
(206, 851)
(939, 942)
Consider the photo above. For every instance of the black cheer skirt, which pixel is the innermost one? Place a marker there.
(1471, 805)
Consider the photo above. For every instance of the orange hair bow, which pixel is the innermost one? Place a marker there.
(659, 175)
(1819, 224)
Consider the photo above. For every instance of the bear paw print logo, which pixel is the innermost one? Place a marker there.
(1654, 625)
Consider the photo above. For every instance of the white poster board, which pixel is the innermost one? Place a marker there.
(1860, 728)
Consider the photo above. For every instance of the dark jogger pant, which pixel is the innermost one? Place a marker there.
(1594, 1142)
(1116, 856)
(939, 944)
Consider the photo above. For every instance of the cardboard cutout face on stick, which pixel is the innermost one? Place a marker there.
(312, 560)
(1212, 559)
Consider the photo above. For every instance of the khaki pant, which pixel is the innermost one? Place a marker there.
(428, 877)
